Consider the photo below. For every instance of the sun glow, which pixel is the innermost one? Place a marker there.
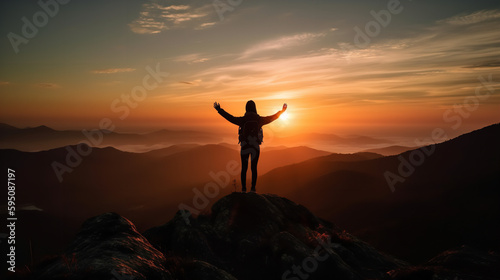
(285, 116)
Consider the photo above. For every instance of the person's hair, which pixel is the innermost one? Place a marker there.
(250, 107)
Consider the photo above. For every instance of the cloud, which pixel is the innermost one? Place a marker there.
(283, 43)
(485, 64)
(191, 58)
(431, 67)
(475, 17)
(205, 25)
(191, 83)
(113, 70)
(48, 85)
(155, 17)
(201, 60)
(4, 83)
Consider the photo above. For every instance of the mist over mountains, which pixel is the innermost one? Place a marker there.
(44, 138)
(40, 138)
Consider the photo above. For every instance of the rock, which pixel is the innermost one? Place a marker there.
(203, 270)
(107, 247)
(253, 236)
(246, 236)
(464, 263)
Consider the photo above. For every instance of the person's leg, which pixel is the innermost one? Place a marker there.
(255, 160)
(244, 166)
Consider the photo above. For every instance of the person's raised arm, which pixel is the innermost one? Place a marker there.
(232, 119)
(268, 119)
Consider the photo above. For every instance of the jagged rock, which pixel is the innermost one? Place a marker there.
(107, 247)
(254, 236)
(182, 239)
(464, 263)
(468, 259)
(203, 270)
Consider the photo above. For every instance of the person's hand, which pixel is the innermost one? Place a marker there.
(216, 106)
(284, 107)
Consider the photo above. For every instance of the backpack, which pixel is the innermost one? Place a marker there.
(250, 133)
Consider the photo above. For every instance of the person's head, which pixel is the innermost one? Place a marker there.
(250, 107)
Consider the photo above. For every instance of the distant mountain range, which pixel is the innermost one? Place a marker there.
(331, 139)
(451, 197)
(44, 138)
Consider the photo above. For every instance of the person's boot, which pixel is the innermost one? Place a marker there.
(252, 189)
(243, 189)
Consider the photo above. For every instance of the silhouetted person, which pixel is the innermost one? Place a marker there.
(250, 137)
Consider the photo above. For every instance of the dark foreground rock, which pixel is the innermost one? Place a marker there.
(465, 263)
(253, 236)
(246, 236)
(107, 247)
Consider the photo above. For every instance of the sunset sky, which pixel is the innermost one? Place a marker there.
(426, 59)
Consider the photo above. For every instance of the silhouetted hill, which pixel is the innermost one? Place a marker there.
(279, 157)
(5, 128)
(449, 199)
(390, 150)
(171, 150)
(245, 236)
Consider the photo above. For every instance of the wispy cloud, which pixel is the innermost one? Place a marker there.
(205, 25)
(113, 70)
(191, 83)
(48, 85)
(432, 67)
(155, 17)
(192, 58)
(485, 64)
(473, 18)
(283, 43)
(4, 83)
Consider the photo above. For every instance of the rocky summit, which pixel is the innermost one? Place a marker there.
(245, 236)
(252, 236)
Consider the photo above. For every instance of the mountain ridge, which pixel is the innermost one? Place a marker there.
(459, 178)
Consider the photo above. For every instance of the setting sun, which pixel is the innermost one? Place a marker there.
(285, 116)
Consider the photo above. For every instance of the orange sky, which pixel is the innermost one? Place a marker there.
(400, 84)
